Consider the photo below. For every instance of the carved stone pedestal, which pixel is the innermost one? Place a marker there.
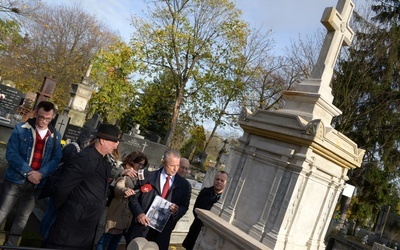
(285, 180)
(291, 166)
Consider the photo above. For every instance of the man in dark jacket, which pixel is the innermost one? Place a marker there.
(33, 153)
(169, 185)
(80, 193)
(206, 199)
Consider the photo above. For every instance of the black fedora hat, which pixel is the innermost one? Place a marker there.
(108, 132)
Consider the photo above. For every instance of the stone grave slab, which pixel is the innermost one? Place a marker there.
(10, 103)
(72, 132)
(153, 151)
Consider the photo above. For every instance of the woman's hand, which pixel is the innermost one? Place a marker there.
(129, 172)
(129, 192)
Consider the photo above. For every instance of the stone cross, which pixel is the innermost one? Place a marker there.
(61, 124)
(86, 79)
(144, 146)
(339, 34)
(88, 71)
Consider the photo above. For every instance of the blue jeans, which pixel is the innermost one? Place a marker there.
(11, 193)
(48, 219)
(108, 241)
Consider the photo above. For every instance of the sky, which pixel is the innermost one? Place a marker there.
(286, 18)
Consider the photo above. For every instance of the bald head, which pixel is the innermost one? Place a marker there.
(183, 167)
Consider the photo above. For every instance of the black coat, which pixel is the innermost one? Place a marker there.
(179, 194)
(80, 196)
(205, 200)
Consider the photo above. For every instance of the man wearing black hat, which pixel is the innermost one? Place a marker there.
(80, 194)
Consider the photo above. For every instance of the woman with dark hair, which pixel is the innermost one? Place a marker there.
(118, 216)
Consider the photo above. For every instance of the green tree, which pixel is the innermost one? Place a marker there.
(9, 34)
(111, 70)
(182, 40)
(153, 107)
(366, 89)
(195, 144)
(229, 78)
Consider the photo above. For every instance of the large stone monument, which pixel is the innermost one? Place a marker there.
(80, 96)
(291, 166)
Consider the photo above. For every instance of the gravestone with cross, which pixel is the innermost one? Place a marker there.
(338, 34)
(312, 98)
(154, 151)
(287, 173)
(61, 123)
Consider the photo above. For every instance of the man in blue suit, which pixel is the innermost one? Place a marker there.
(171, 186)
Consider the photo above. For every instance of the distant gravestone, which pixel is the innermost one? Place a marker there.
(80, 96)
(61, 123)
(200, 158)
(209, 178)
(29, 100)
(381, 220)
(11, 102)
(155, 138)
(72, 132)
(153, 151)
(47, 90)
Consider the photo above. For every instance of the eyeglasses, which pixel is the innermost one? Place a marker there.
(42, 118)
(140, 164)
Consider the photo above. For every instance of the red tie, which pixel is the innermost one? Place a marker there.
(166, 187)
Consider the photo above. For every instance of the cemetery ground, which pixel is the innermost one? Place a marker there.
(31, 237)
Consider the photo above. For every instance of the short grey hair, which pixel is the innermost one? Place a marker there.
(171, 152)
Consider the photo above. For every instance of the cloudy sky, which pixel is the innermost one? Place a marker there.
(286, 18)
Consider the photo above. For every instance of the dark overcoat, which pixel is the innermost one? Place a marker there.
(80, 196)
(205, 200)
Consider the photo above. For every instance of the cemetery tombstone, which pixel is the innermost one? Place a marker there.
(209, 177)
(153, 151)
(8, 110)
(47, 90)
(10, 103)
(80, 96)
(61, 123)
(29, 100)
(291, 164)
(72, 132)
(155, 138)
(27, 106)
(381, 220)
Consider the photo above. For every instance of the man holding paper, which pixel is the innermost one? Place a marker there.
(170, 186)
